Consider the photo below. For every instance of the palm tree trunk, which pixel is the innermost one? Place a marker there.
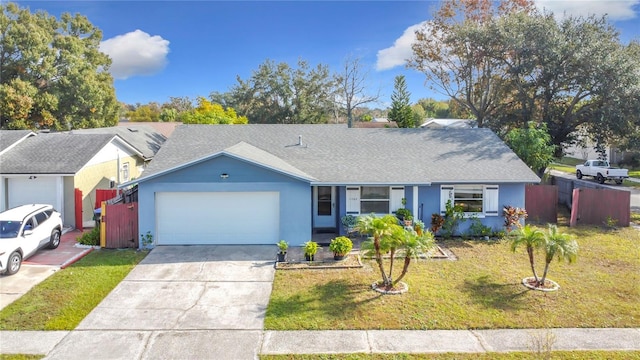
(533, 269)
(544, 275)
(378, 256)
(405, 269)
(390, 276)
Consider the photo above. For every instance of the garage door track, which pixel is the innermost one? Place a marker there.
(200, 302)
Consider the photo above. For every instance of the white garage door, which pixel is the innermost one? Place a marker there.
(197, 218)
(40, 190)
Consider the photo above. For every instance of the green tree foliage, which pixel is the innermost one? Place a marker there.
(209, 113)
(451, 50)
(278, 93)
(509, 64)
(145, 113)
(52, 74)
(532, 145)
(570, 74)
(401, 111)
(390, 240)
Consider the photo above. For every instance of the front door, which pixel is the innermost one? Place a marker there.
(324, 206)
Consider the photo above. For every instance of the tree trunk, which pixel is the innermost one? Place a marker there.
(390, 276)
(533, 269)
(544, 275)
(376, 246)
(405, 269)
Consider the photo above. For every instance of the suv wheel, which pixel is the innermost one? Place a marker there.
(54, 241)
(14, 263)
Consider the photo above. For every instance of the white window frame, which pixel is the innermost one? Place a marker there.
(126, 172)
(490, 196)
(354, 198)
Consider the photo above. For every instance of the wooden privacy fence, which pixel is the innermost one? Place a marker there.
(597, 206)
(119, 226)
(541, 203)
(104, 195)
(78, 208)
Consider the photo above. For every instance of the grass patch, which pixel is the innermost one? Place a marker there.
(62, 300)
(558, 355)
(635, 217)
(20, 357)
(634, 173)
(481, 290)
(563, 168)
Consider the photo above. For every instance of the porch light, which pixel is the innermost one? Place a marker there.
(224, 175)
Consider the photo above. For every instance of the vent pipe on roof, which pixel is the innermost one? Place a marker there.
(299, 140)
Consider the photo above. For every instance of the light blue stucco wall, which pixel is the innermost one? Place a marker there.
(295, 194)
(429, 203)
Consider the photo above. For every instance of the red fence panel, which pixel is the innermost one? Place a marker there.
(121, 226)
(104, 195)
(596, 206)
(78, 209)
(541, 203)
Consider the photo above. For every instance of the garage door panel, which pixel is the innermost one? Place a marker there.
(40, 190)
(217, 218)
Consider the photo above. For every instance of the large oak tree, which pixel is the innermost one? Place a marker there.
(52, 74)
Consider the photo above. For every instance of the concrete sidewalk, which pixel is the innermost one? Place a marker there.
(110, 344)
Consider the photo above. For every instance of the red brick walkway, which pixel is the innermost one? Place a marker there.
(66, 253)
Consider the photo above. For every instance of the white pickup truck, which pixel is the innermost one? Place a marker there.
(601, 171)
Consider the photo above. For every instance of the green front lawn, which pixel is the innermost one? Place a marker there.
(481, 290)
(62, 300)
(556, 355)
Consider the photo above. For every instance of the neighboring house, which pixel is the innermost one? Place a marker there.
(144, 138)
(257, 184)
(448, 123)
(164, 128)
(48, 167)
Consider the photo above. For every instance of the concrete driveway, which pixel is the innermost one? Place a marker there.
(197, 302)
(40, 266)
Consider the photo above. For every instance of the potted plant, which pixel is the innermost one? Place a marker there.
(310, 249)
(418, 226)
(283, 246)
(349, 222)
(340, 247)
(404, 213)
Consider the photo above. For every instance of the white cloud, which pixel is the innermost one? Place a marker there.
(136, 53)
(398, 54)
(615, 9)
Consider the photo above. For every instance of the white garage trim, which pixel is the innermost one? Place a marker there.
(198, 218)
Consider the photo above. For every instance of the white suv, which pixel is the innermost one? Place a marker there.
(24, 230)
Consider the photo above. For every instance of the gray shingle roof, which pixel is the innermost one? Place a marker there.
(10, 137)
(55, 153)
(341, 155)
(142, 137)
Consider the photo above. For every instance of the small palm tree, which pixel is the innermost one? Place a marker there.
(557, 245)
(378, 228)
(388, 237)
(532, 238)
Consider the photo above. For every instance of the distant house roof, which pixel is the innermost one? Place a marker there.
(165, 128)
(10, 138)
(375, 125)
(335, 154)
(145, 138)
(451, 123)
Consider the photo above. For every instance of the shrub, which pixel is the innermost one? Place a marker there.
(90, 237)
(311, 248)
(341, 245)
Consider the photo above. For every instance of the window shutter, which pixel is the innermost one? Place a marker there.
(353, 200)
(491, 200)
(446, 194)
(397, 193)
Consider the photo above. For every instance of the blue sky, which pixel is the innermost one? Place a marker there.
(191, 48)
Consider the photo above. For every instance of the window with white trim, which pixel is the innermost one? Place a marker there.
(474, 199)
(125, 172)
(374, 199)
